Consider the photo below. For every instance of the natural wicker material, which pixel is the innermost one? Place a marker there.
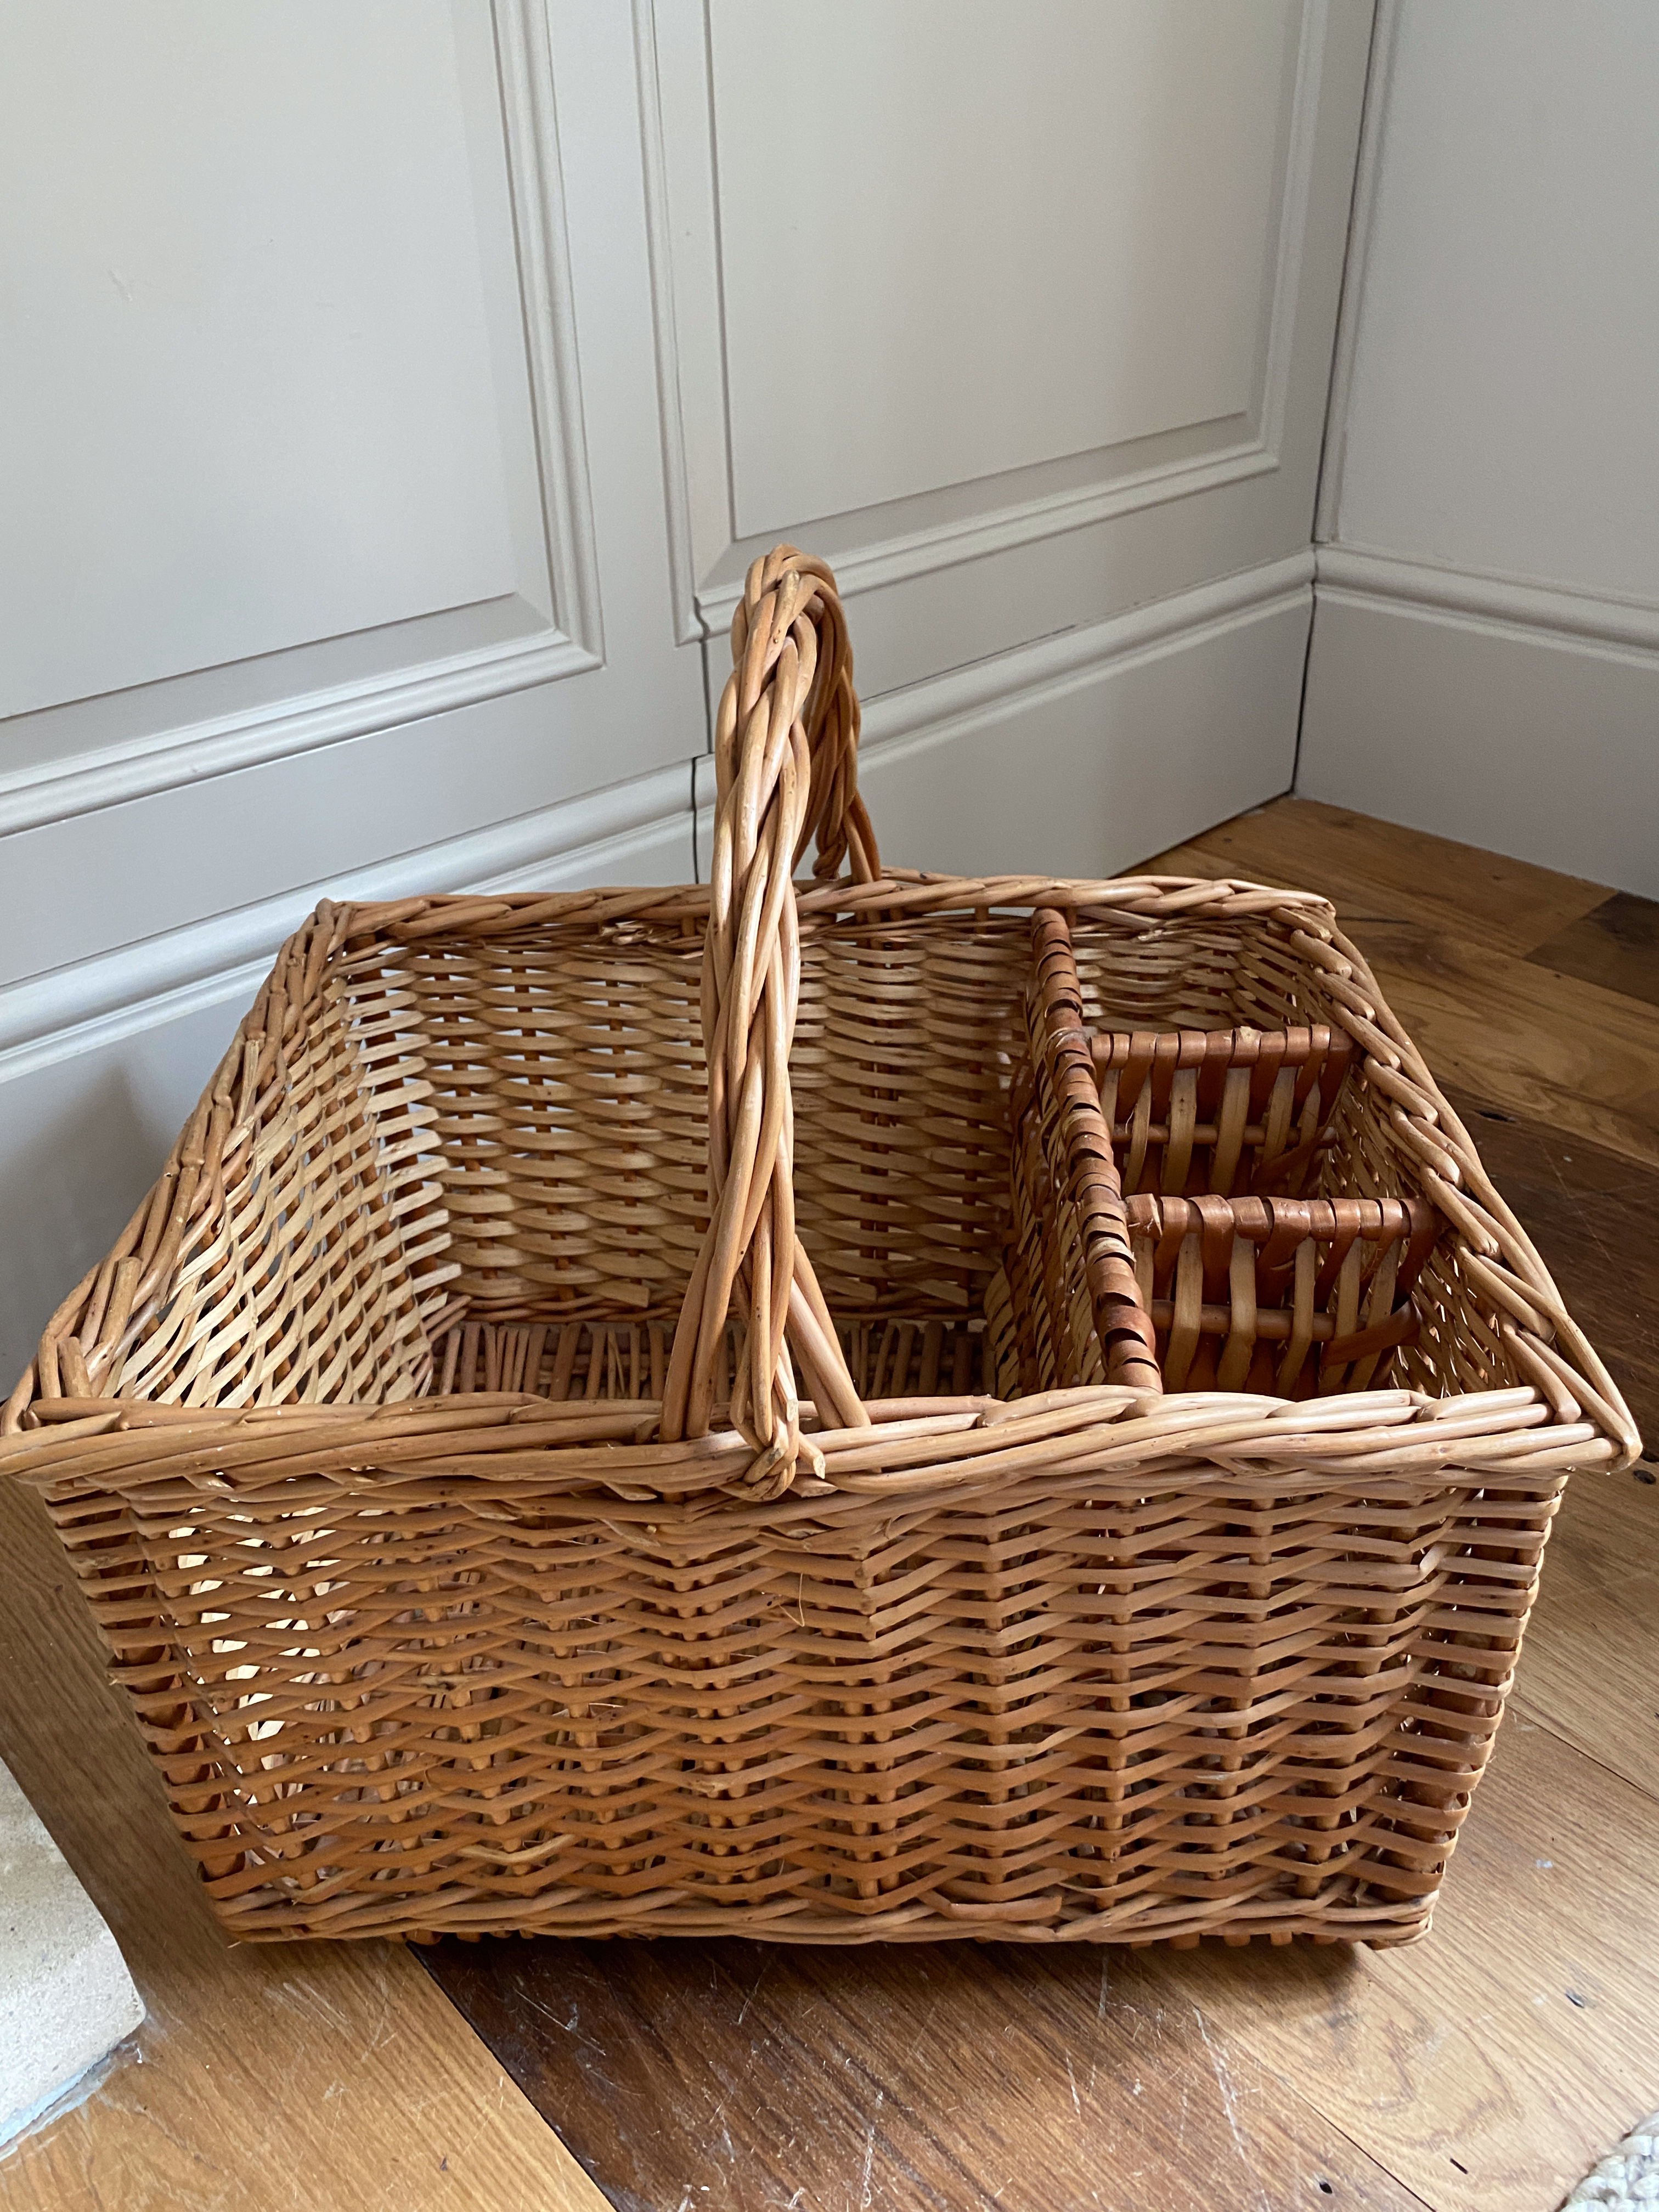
(1193, 1111)
(1282, 1297)
(647, 1638)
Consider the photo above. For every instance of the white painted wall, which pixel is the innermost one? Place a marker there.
(332, 550)
(391, 399)
(1485, 655)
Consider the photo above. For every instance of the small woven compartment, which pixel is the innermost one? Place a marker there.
(1287, 1297)
(535, 1456)
(1194, 1111)
(1282, 1297)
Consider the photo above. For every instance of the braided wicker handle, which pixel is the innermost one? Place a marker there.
(786, 757)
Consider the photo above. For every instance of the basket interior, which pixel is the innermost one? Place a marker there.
(561, 1138)
(568, 1087)
(570, 1141)
(570, 1103)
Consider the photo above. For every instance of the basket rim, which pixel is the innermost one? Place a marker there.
(1583, 1408)
(539, 1449)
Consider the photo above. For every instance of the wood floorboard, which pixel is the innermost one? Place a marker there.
(1593, 1216)
(1377, 870)
(1615, 944)
(917, 2078)
(1590, 1668)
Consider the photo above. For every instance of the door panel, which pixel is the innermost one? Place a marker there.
(1023, 315)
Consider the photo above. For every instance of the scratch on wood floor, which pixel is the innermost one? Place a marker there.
(925, 2024)
(1230, 2105)
(870, 2155)
(749, 1999)
(1077, 2102)
(1100, 2015)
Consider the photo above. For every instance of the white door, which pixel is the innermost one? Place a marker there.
(391, 392)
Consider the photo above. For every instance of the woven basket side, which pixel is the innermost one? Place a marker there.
(313, 1281)
(569, 1102)
(569, 1091)
(1132, 1705)
(1188, 971)
(904, 1044)
(1041, 1315)
(292, 1251)
(1219, 1110)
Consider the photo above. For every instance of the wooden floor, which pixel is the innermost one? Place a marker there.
(1487, 2067)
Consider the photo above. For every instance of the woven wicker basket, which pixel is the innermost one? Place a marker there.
(498, 1523)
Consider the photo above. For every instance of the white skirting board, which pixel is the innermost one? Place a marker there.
(1499, 713)
(1142, 740)
(1077, 754)
(1083, 753)
(66, 1998)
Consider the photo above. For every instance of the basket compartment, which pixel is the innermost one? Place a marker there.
(1193, 1111)
(1290, 1298)
(1281, 1296)
(570, 1134)
(606, 1363)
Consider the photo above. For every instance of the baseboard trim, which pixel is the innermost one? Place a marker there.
(943, 706)
(1354, 573)
(630, 830)
(224, 956)
(898, 724)
(1504, 714)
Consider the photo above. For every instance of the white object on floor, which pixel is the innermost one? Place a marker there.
(66, 1998)
(1627, 2177)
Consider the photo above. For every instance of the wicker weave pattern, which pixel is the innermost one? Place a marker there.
(915, 1711)
(1221, 1111)
(1290, 1297)
(1301, 1294)
(432, 1451)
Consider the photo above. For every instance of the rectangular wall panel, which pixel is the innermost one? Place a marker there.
(253, 405)
(290, 419)
(1003, 236)
(1022, 318)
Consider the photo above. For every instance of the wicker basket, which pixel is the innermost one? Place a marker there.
(498, 1523)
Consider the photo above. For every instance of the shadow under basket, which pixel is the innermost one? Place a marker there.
(560, 1450)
